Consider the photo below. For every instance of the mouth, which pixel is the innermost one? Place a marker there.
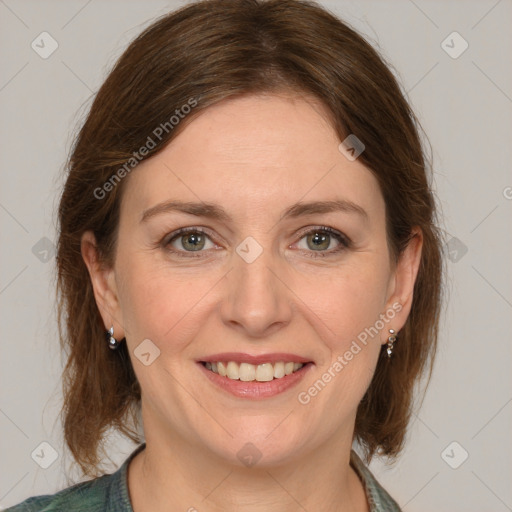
(255, 377)
(247, 372)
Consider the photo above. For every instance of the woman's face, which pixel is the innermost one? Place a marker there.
(285, 260)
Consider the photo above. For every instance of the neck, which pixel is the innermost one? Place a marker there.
(171, 470)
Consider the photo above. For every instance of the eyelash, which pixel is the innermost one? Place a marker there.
(344, 242)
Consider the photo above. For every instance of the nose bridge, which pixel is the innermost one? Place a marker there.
(257, 299)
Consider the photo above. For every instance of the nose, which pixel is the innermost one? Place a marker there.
(258, 302)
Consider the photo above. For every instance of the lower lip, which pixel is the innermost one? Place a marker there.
(254, 389)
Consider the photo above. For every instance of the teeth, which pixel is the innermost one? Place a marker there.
(246, 372)
(264, 372)
(249, 372)
(279, 370)
(221, 367)
(232, 370)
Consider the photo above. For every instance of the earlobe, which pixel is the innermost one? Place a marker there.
(103, 284)
(405, 275)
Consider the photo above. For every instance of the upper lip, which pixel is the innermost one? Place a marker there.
(240, 357)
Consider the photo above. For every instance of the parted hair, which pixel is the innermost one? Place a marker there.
(209, 51)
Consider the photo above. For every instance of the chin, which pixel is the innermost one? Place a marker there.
(259, 445)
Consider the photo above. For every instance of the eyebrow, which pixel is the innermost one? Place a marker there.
(216, 212)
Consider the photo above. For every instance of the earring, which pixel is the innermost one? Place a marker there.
(391, 340)
(112, 342)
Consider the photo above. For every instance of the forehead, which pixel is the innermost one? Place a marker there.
(259, 152)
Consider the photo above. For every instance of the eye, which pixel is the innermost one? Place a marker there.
(188, 240)
(316, 242)
(323, 241)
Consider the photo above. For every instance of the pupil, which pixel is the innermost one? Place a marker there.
(193, 241)
(319, 239)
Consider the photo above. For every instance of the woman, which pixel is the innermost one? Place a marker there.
(248, 257)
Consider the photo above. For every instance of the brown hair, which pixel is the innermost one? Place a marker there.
(208, 51)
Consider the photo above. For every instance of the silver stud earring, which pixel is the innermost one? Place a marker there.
(391, 340)
(113, 344)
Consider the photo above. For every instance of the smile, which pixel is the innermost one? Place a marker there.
(254, 376)
(248, 372)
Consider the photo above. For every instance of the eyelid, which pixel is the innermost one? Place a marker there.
(344, 241)
(182, 231)
(312, 229)
(166, 241)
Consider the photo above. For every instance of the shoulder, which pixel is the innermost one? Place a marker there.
(86, 496)
(103, 494)
(378, 498)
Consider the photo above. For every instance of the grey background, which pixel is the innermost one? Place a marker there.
(465, 106)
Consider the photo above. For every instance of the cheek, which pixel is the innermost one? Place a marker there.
(347, 313)
(156, 303)
(347, 301)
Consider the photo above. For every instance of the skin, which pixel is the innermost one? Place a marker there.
(254, 156)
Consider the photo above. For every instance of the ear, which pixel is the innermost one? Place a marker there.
(104, 286)
(401, 284)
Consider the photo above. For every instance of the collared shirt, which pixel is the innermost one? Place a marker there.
(109, 493)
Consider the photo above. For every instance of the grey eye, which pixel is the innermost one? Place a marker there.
(191, 241)
(318, 240)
